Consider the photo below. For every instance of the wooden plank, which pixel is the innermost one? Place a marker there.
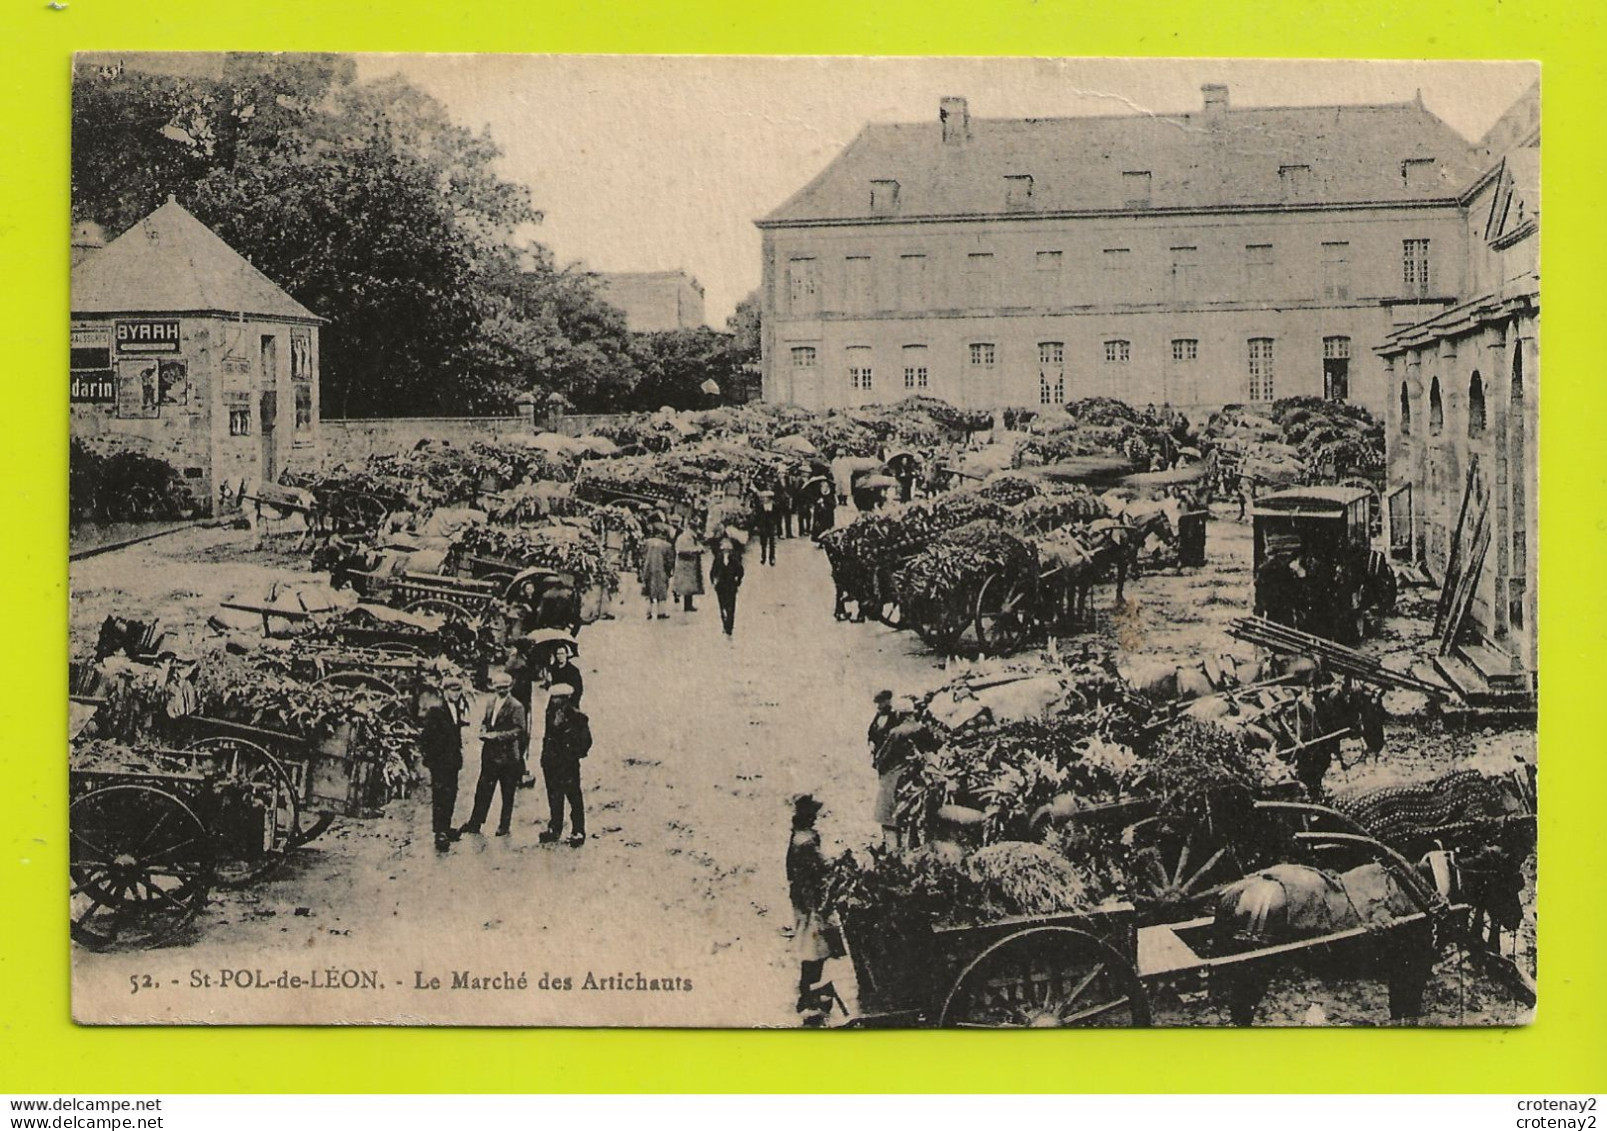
(1453, 561)
(1468, 585)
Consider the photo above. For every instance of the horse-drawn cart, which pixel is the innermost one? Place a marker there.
(153, 831)
(1078, 969)
(1349, 907)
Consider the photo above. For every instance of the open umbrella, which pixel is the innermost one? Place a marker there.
(795, 443)
(711, 387)
(552, 636)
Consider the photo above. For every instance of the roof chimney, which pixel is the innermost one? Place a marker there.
(87, 239)
(1216, 98)
(955, 115)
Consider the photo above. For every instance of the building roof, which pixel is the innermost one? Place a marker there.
(171, 263)
(675, 276)
(1220, 157)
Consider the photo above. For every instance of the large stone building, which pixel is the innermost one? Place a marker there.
(1221, 256)
(1462, 423)
(184, 351)
(654, 300)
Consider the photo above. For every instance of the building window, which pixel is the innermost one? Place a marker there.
(982, 355)
(1118, 351)
(1406, 411)
(1117, 259)
(1051, 373)
(1336, 270)
(803, 286)
(1476, 419)
(979, 278)
(915, 370)
(1261, 369)
(1185, 270)
(1018, 191)
(1258, 266)
(1051, 281)
(803, 357)
(912, 282)
(1185, 349)
(1050, 261)
(1436, 408)
(1296, 181)
(303, 395)
(859, 370)
(858, 296)
(1136, 188)
(883, 196)
(1336, 368)
(1417, 172)
(1414, 266)
(239, 420)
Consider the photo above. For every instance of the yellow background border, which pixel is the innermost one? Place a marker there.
(40, 1049)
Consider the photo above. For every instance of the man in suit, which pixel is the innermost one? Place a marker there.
(767, 517)
(568, 740)
(441, 750)
(504, 734)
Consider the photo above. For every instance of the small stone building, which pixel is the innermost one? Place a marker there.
(184, 351)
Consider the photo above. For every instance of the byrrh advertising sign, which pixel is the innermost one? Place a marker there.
(148, 335)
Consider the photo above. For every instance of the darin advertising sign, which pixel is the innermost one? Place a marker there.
(148, 335)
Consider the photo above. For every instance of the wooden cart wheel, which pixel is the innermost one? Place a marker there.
(141, 865)
(891, 614)
(358, 681)
(1176, 869)
(361, 513)
(263, 776)
(1003, 614)
(440, 607)
(1047, 978)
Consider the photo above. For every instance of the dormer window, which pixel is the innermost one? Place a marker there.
(1417, 172)
(1136, 188)
(883, 196)
(1296, 181)
(1018, 190)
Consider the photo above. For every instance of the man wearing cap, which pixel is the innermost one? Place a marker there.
(567, 741)
(504, 735)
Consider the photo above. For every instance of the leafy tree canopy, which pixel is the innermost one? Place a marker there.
(373, 209)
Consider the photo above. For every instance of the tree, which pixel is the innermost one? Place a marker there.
(675, 364)
(369, 206)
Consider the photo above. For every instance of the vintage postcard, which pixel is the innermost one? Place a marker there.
(828, 542)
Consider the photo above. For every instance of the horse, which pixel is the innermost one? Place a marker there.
(1286, 903)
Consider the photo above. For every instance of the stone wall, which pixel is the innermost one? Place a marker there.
(352, 441)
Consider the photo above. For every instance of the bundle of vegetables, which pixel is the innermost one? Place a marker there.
(574, 550)
(140, 701)
(656, 476)
(905, 893)
(953, 566)
(1190, 759)
(837, 434)
(469, 643)
(531, 502)
(258, 689)
(946, 415)
(957, 508)
(1103, 426)
(1334, 438)
(624, 525)
(895, 429)
(1050, 512)
(1009, 489)
(517, 463)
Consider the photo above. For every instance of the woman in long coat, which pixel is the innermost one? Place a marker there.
(658, 560)
(688, 579)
